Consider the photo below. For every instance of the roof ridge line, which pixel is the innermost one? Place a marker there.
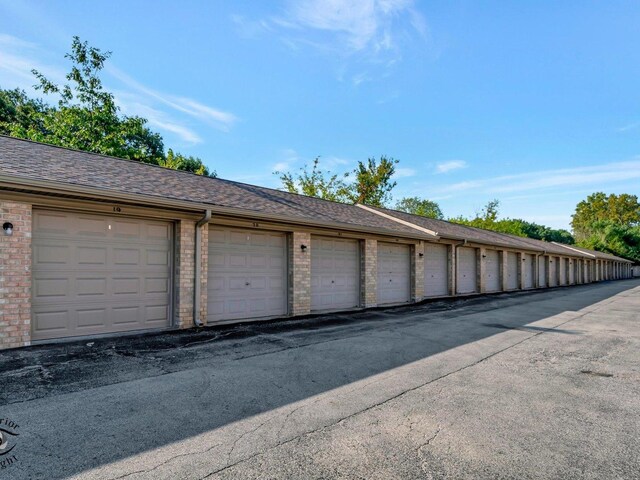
(400, 221)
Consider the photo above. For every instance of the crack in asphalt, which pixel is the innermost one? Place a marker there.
(390, 399)
(167, 461)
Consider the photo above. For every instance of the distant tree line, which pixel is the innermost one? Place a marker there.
(608, 223)
(86, 117)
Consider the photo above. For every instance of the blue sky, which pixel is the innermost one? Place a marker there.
(534, 103)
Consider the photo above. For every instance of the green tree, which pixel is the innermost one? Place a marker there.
(17, 111)
(419, 206)
(177, 161)
(487, 218)
(86, 116)
(315, 182)
(373, 182)
(614, 238)
(621, 209)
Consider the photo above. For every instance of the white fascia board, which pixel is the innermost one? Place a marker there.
(574, 249)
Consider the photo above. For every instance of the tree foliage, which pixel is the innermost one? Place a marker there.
(615, 238)
(372, 182)
(621, 209)
(487, 219)
(86, 116)
(419, 206)
(317, 183)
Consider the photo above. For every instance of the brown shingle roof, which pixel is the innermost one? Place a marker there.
(478, 235)
(33, 161)
(597, 254)
(36, 161)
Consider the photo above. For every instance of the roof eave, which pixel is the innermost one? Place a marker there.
(62, 189)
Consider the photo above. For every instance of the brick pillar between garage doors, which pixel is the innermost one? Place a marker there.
(300, 273)
(184, 273)
(15, 276)
(417, 272)
(368, 273)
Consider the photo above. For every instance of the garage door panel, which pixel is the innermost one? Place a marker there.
(492, 271)
(88, 226)
(126, 229)
(125, 315)
(51, 288)
(126, 256)
(47, 254)
(542, 272)
(51, 320)
(247, 274)
(512, 271)
(436, 270)
(335, 273)
(51, 222)
(100, 275)
(97, 287)
(91, 317)
(156, 285)
(529, 271)
(394, 273)
(467, 270)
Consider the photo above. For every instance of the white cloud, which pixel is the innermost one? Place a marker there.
(404, 173)
(450, 166)
(156, 118)
(371, 28)
(217, 118)
(542, 181)
(630, 126)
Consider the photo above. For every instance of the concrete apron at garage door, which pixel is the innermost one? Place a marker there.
(96, 274)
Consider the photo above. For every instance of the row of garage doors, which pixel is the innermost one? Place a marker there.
(95, 274)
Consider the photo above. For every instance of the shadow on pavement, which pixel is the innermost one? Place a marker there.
(197, 381)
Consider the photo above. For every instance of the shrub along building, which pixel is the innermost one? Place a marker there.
(98, 245)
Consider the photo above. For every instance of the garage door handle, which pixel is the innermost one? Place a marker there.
(247, 283)
(333, 281)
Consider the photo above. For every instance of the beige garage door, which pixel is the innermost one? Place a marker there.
(335, 273)
(97, 274)
(542, 271)
(394, 273)
(436, 270)
(529, 270)
(492, 272)
(247, 274)
(467, 270)
(512, 271)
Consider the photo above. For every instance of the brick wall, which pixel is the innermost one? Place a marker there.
(15, 276)
(417, 272)
(368, 273)
(184, 273)
(204, 273)
(299, 274)
(481, 260)
(451, 268)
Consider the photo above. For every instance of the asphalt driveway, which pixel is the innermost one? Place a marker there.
(529, 385)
